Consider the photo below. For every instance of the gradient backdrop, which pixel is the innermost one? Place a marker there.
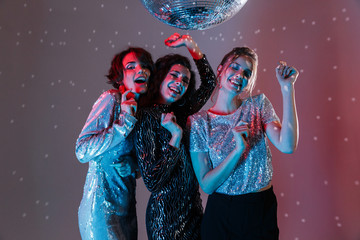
(53, 58)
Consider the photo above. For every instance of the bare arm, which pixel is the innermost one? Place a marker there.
(285, 135)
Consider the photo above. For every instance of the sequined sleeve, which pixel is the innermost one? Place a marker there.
(156, 158)
(105, 127)
(198, 137)
(207, 86)
(268, 113)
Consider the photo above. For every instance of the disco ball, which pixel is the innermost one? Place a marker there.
(193, 14)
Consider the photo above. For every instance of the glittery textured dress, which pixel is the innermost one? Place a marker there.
(107, 209)
(212, 133)
(174, 209)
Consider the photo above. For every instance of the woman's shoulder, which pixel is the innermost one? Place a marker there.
(256, 99)
(199, 116)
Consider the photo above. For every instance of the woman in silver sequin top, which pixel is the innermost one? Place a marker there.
(174, 209)
(107, 209)
(230, 152)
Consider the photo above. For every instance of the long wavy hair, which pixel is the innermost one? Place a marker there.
(116, 71)
(163, 66)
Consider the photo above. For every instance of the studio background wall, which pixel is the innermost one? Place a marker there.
(53, 58)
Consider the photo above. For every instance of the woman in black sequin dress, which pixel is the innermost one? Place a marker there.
(174, 209)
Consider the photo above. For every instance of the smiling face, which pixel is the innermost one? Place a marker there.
(175, 84)
(135, 75)
(236, 74)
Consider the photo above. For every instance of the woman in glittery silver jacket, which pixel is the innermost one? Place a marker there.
(174, 209)
(230, 152)
(107, 209)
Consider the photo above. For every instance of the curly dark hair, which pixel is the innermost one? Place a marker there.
(163, 66)
(115, 75)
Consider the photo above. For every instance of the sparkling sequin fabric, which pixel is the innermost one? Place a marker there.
(107, 209)
(212, 133)
(174, 209)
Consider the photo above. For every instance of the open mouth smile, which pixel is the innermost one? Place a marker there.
(140, 80)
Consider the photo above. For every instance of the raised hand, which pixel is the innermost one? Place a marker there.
(286, 74)
(241, 132)
(128, 103)
(168, 121)
(177, 40)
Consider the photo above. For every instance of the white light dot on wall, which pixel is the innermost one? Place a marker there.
(335, 67)
(129, 43)
(79, 108)
(303, 20)
(52, 106)
(65, 30)
(25, 5)
(56, 126)
(257, 31)
(84, 90)
(23, 105)
(52, 44)
(343, 10)
(328, 39)
(264, 70)
(17, 43)
(37, 202)
(284, 28)
(281, 51)
(234, 39)
(282, 194)
(313, 23)
(94, 31)
(12, 121)
(292, 175)
(220, 34)
(339, 224)
(317, 117)
(23, 85)
(346, 139)
(286, 215)
(315, 138)
(102, 5)
(18, 34)
(41, 40)
(329, 99)
(301, 70)
(334, 19)
(46, 155)
(238, 33)
(347, 19)
(21, 179)
(24, 215)
(46, 217)
(296, 238)
(116, 32)
(50, 9)
(338, 118)
(96, 48)
(46, 204)
(89, 40)
(126, 7)
(139, 33)
(74, 8)
(241, 37)
(306, 46)
(273, 29)
(357, 182)
(326, 182)
(29, 32)
(337, 218)
(298, 203)
(13, 172)
(303, 220)
(353, 99)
